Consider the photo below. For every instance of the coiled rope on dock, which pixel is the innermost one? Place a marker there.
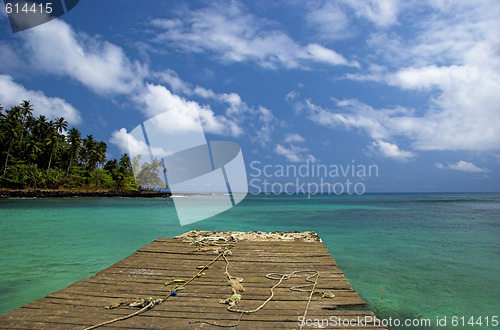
(272, 276)
(235, 282)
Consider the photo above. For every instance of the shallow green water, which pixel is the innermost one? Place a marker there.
(432, 254)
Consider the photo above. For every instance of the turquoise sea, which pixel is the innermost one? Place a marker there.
(408, 255)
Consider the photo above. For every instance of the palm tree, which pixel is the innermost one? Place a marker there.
(26, 109)
(88, 149)
(136, 164)
(125, 164)
(42, 120)
(118, 170)
(149, 175)
(125, 169)
(111, 165)
(26, 113)
(29, 123)
(39, 127)
(52, 140)
(11, 129)
(60, 124)
(100, 154)
(114, 170)
(33, 148)
(74, 139)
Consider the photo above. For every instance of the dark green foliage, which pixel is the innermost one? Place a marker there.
(35, 153)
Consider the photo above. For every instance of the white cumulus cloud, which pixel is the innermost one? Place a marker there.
(382, 13)
(183, 114)
(329, 19)
(127, 143)
(453, 60)
(350, 114)
(12, 93)
(391, 150)
(463, 166)
(322, 54)
(177, 85)
(294, 153)
(56, 48)
(233, 35)
(293, 138)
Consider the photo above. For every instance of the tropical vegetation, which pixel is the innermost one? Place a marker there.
(39, 153)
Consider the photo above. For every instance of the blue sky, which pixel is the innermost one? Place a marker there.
(410, 86)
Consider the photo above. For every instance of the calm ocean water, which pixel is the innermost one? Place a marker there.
(408, 255)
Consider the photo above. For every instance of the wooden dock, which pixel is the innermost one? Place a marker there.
(144, 274)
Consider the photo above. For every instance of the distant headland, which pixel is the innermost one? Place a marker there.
(37, 193)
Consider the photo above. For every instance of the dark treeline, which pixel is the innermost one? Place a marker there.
(41, 153)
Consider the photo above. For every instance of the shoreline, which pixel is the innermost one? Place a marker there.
(38, 193)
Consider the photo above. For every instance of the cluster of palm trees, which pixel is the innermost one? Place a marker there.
(41, 153)
(148, 175)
